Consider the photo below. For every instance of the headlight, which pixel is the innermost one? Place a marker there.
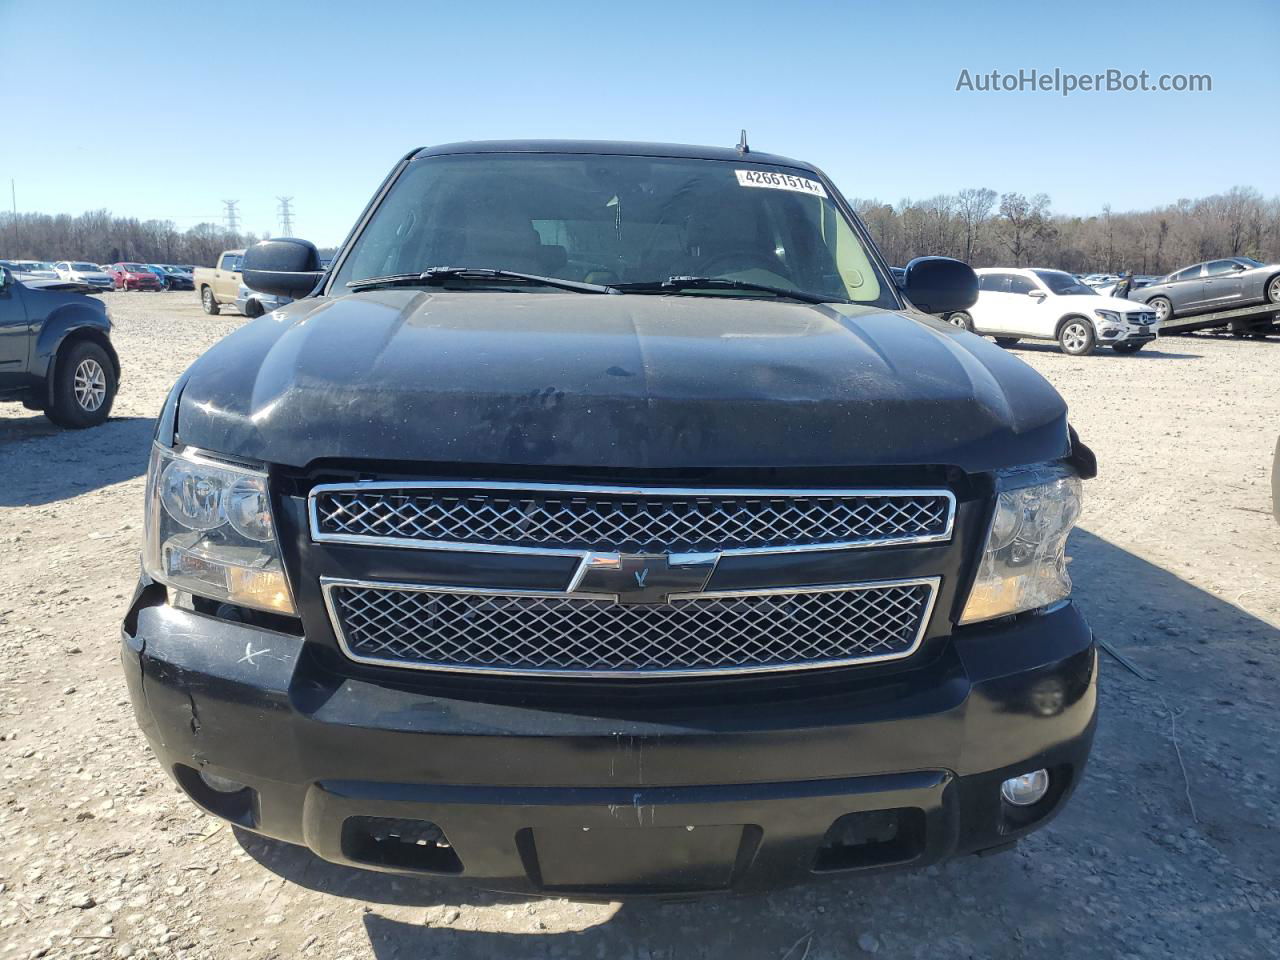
(1024, 564)
(209, 531)
(1111, 316)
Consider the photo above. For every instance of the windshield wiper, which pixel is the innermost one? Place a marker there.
(438, 276)
(721, 283)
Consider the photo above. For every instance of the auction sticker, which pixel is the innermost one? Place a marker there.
(779, 181)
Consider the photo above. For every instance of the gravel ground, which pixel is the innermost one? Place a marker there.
(1169, 848)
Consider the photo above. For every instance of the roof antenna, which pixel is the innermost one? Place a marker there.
(742, 143)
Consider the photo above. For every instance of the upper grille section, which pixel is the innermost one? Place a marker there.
(436, 628)
(552, 518)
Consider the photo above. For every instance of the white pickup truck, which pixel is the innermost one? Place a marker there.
(221, 284)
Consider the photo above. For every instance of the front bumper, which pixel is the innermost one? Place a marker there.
(618, 796)
(1128, 333)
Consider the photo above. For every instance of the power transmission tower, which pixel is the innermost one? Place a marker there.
(286, 215)
(232, 215)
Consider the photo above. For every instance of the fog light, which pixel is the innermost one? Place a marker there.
(220, 784)
(1024, 790)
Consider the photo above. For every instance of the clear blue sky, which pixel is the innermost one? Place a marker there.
(164, 109)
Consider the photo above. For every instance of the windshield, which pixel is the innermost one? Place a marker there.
(85, 267)
(1248, 261)
(136, 268)
(617, 219)
(1063, 284)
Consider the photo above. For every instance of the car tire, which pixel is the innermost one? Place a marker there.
(208, 301)
(1273, 289)
(253, 309)
(1076, 338)
(84, 386)
(1125, 346)
(1163, 308)
(960, 319)
(1005, 341)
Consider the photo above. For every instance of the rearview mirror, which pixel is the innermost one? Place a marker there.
(283, 268)
(940, 285)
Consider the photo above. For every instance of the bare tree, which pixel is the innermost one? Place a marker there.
(973, 205)
(1022, 223)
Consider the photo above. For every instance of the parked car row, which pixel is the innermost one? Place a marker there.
(1039, 304)
(98, 278)
(1081, 312)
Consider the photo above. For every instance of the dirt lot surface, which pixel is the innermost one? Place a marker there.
(1171, 847)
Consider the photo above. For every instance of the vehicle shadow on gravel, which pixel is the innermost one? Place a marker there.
(299, 865)
(1167, 848)
(1151, 352)
(45, 467)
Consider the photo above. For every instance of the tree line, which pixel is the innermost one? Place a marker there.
(976, 225)
(99, 236)
(985, 229)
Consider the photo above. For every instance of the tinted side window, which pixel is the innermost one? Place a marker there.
(1188, 273)
(994, 282)
(1219, 267)
(1020, 284)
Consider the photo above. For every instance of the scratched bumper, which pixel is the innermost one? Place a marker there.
(621, 794)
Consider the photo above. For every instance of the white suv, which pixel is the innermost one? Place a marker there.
(1018, 304)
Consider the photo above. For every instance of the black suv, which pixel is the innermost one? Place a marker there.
(605, 521)
(55, 350)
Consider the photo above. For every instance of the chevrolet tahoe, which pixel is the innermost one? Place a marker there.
(605, 521)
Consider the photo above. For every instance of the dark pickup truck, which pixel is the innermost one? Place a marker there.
(55, 350)
(603, 522)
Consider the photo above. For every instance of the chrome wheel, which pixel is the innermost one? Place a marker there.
(961, 320)
(1074, 336)
(1162, 309)
(1273, 290)
(90, 385)
(207, 296)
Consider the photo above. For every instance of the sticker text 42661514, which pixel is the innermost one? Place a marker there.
(772, 180)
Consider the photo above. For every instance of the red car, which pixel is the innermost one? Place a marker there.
(133, 276)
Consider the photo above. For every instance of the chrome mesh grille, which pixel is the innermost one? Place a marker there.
(439, 629)
(653, 521)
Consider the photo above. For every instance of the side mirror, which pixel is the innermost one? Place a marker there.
(1238, 267)
(940, 285)
(283, 268)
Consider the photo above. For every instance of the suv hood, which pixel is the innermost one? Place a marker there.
(636, 381)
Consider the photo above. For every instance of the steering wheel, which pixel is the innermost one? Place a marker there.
(739, 261)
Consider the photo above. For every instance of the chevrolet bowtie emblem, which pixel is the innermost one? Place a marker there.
(643, 578)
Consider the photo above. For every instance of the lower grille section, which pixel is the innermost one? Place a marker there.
(479, 631)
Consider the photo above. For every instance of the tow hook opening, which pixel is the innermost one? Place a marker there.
(400, 843)
(873, 838)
